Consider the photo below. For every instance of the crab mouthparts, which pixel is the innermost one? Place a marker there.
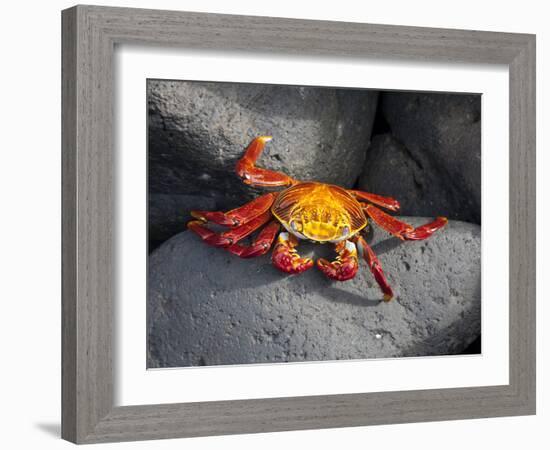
(319, 225)
(322, 231)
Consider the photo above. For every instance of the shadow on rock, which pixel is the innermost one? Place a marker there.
(341, 296)
(387, 245)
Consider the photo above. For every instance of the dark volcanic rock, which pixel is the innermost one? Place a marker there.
(208, 307)
(198, 130)
(168, 214)
(433, 162)
(391, 170)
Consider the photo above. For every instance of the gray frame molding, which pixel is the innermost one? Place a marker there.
(89, 36)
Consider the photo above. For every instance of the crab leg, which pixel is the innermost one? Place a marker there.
(260, 245)
(230, 237)
(237, 216)
(403, 230)
(385, 202)
(370, 257)
(345, 266)
(256, 176)
(286, 258)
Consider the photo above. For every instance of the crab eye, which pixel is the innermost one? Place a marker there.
(296, 226)
(345, 231)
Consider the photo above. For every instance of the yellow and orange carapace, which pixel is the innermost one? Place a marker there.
(317, 212)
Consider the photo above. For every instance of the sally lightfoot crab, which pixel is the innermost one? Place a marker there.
(318, 212)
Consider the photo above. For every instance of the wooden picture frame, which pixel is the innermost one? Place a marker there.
(90, 34)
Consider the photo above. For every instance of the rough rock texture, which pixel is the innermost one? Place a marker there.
(198, 130)
(168, 214)
(208, 307)
(432, 161)
(391, 170)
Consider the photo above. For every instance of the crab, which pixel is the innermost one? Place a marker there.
(306, 210)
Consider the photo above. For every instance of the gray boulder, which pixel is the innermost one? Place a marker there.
(432, 161)
(208, 307)
(198, 131)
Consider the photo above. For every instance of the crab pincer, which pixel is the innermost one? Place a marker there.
(345, 266)
(286, 258)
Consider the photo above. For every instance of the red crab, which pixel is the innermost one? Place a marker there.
(308, 210)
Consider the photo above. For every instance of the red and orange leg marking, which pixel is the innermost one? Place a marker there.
(372, 260)
(256, 176)
(286, 258)
(240, 215)
(261, 244)
(385, 202)
(345, 266)
(403, 230)
(230, 237)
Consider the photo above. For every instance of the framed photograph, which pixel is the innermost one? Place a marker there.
(278, 224)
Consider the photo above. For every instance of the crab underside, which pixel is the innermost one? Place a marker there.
(318, 212)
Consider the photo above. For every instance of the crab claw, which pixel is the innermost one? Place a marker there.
(345, 266)
(286, 258)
